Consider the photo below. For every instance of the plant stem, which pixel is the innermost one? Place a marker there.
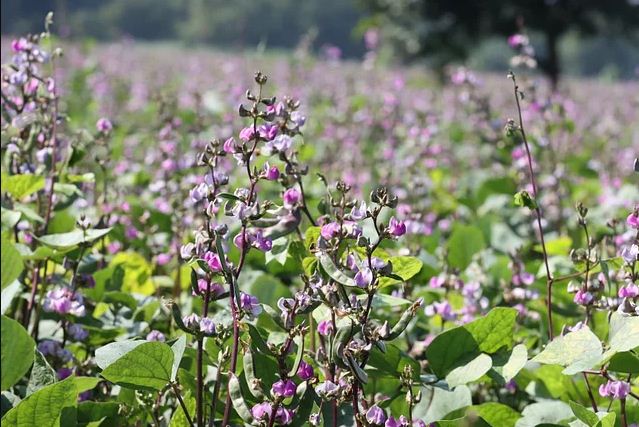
(590, 395)
(549, 279)
(179, 398)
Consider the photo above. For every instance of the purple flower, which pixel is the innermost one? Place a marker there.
(64, 301)
(442, 308)
(272, 173)
(163, 259)
(615, 389)
(517, 40)
(375, 415)
(629, 291)
(402, 421)
(325, 327)
(284, 416)
(229, 146)
(155, 335)
(247, 133)
(77, 332)
(268, 131)
(583, 297)
(281, 143)
(213, 261)
(630, 253)
(64, 373)
(633, 220)
(284, 388)
(364, 277)
(199, 192)
(19, 45)
(396, 228)
(250, 304)
(104, 125)
(262, 411)
(191, 321)
(327, 390)
(207, 326)
(291, 197)
(305, 371)
(358, 212)
(330, 230)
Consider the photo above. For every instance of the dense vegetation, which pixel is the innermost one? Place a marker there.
(187, 242)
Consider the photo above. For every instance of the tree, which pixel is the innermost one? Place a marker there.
(446, 30)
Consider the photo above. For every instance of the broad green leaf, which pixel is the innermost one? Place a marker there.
(544, 412)
(584, 414)
(559, 246)
(403, 266)
(19, 186)
(516, 361)
(106, 355)
(146, 367)
(607, 420)
(9, 218)
(11, 262)
(523, 199)
(17, 352)
(469, 372)
(179, 419)
(73, 238)
(437, 403)
(42, 374)
(576, 351)
(96, 411)
(137, 273)
(464, 242)
(624, 362)
(457, 346)
(497, 414)
(44, 407)
(178, 351)
(624, 332)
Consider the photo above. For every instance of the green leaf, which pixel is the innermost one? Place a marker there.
(11, 262)
(575, 351)
(437, 403)
(469, 372)
(405, 267)
(178, 351)
(146, 367)
(464, 242)
(584, 414)
(559, 246)
(456, 346)
(524, 199)
(516, 361)
(624, 362)
(279, 251)
(42, 374)
(17, 352)
(44, 407)
(97, 411)
(19, 186)
(497, 414)
(73, 238)
(624, 332)
(536, 414)
(179, 419)
(607, 420)
(9, 218)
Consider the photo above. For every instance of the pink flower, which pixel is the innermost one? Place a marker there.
(330, 230)
(247, 133)
(583, 297)
(375, 415)
(163, 259)
(213, 261)
(273, 173)
(615, 389)
(396, 228)
(284, 388)
(103, 125)
(364, 277)
(291, 197)
(325, 327)
(305, 371)
(155, 336)
(633, 220)
(262, 411)
(629, 291)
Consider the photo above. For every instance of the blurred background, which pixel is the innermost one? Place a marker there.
(590, 38)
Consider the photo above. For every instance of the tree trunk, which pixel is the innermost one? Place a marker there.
(552, 65)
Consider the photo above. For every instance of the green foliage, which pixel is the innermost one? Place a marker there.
(465, 241)
(148, 366)
(11, 262)
(17, 352)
